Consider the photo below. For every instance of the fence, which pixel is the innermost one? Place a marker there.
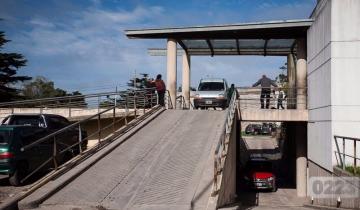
(222, 146)
(142, 99)
(277, 98)
(77, 105)
(342, 154)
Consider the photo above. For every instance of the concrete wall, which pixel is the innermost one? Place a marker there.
(333, 48)
(228, 187)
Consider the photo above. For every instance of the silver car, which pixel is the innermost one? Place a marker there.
(212, 92)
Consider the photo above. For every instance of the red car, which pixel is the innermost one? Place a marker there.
(259, 175)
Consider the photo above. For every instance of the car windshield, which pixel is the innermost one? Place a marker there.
(5, 136)
(211, 86)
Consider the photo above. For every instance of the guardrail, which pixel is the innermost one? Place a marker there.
(222, 146)
(276, 97)
(133, 99)
(70, 104)
(341, 154)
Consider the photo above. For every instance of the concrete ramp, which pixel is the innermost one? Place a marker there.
(168, 164)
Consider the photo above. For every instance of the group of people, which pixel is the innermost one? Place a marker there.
(265, 84)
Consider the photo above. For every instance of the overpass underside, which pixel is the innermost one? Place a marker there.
(167, 164)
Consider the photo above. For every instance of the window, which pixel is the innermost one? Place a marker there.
(57, 122)
(26, 120)
(211, 86)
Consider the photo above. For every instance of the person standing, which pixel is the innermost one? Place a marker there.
(160, 89)
(265, 84)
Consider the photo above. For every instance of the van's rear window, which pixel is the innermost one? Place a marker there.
(211, 86)
(5, 136)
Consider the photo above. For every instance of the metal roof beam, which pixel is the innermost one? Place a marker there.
(210, 47)
(265, 46)
(237, 46)
(182, 44)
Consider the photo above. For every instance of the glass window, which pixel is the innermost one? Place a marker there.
(211, 86)
(57, 122)
(26, 120)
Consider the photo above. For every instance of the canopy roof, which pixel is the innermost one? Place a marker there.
(261, 38)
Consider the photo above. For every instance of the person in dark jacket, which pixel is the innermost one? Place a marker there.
(265, 84)
(160, 89)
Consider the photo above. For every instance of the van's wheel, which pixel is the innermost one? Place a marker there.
(18, 175)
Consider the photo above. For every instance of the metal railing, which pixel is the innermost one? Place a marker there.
(68, 106)
(341, 154)
(250, 97)
(180, 100)
(133, 99)
(222, 146)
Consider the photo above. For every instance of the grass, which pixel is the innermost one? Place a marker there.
(351, 169)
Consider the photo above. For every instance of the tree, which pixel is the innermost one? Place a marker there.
(40, 87)
(9, 65)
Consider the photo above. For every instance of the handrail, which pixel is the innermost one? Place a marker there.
(343, 154)
(144, 97)
(222, 146)
(183, 102)
(290, 98)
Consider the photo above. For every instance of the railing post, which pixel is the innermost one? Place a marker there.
(99, 130)
(145, 98)
(355, 156)
(114, 118)
(343, 166)
(55, 154)
(135, 104)
(98, 104)
(69, 107)
(80, 139)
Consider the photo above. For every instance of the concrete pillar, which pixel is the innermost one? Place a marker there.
(301, 159)
(171, 70)
(291, 73)
(301, 73)
(186, 79)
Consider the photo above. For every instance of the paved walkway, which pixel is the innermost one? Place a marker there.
(168, 164)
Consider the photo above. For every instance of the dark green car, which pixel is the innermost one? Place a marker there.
(21, 130)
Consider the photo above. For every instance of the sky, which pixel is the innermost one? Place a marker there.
(81, 45)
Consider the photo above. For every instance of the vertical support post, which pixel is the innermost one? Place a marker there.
(69, 107)
(355, 156)
(55, 154)
(98, 104)
(301, 74)
(186, 79)
(343, 166)
(99, 130)
(171, 70)
(80, 139)
(114, 117)
(135, 104)
(291, 74)
(301, 159)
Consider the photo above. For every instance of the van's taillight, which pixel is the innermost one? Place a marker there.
(6, 155)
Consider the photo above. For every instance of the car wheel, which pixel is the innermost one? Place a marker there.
(18, 175)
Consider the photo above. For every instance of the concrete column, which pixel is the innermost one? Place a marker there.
(301, 159)
(171, 70)
(291, 73)
(186, 79)
(301, 73)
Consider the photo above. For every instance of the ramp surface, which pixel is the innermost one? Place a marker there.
(168, 164)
